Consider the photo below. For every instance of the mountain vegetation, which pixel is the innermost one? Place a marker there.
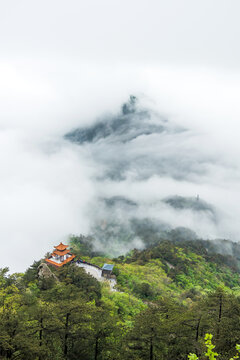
(168, 297)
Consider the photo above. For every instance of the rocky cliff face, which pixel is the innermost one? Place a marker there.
(44, 272)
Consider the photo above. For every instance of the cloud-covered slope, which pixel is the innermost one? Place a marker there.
(139, 143)
(128, 151)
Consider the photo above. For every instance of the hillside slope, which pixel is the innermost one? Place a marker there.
(169, 295)
(180, 269)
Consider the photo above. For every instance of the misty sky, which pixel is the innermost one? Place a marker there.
(69, 64)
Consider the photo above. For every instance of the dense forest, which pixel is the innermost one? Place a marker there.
(168, 297)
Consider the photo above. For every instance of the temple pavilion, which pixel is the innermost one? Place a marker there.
(60, 256)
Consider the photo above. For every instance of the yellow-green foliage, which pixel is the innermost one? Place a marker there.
(204, 275)
(172, 270)
(131, 276)
(121, 304)
(210, 353)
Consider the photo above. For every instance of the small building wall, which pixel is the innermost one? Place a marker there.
(106, 273)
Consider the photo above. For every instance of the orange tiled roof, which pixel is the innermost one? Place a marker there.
(62, 263)
(61, 247)
(61, 253)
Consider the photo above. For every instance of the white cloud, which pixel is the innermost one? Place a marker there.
(65, 64)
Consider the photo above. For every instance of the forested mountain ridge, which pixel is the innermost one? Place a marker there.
(179, 268)
(169, 295)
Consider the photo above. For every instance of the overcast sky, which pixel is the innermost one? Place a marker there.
(64, 64)
(203, 33)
